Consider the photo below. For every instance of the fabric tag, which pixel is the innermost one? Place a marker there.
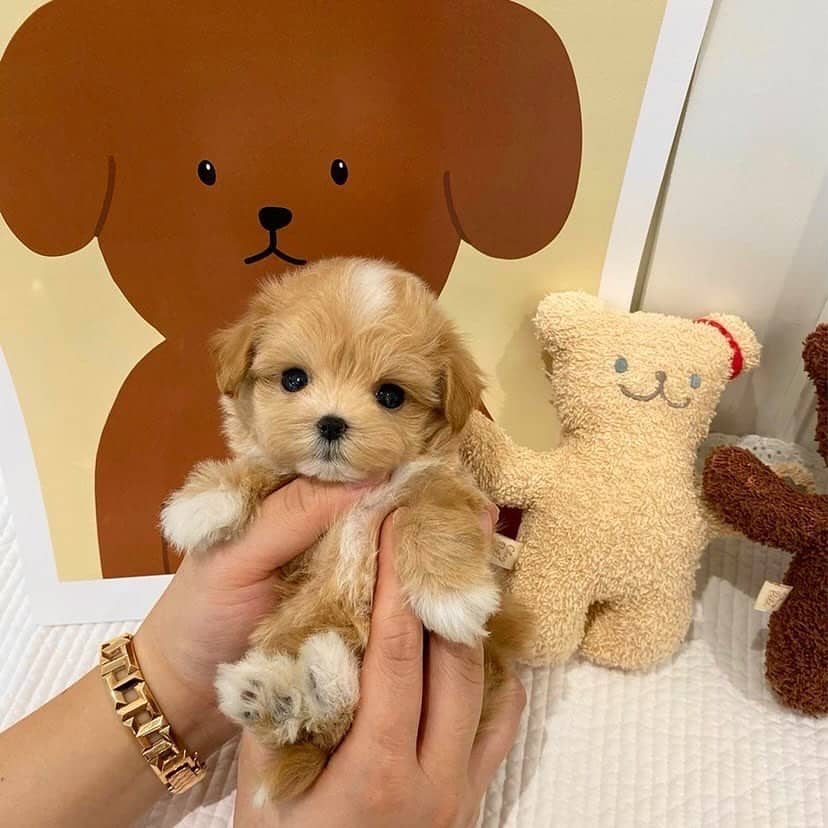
(772, 596)
(506, 551)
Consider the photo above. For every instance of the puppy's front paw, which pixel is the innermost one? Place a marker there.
(196, 521)
(265, 690)
(458, 615)
(331, 674)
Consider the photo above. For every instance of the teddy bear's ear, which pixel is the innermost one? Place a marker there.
(561, 315)
(744, 345)
(56, 176)
(515, 118)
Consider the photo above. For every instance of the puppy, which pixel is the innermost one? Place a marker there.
(345, 371)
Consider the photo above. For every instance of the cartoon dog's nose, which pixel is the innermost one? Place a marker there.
(332, 428)
(661, 377)
(274, 218)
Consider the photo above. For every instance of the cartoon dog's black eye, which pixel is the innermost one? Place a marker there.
(207, 172)
(390, 395)
(339, 171)
(294, 379)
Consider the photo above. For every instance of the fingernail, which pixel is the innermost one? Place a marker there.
(488, 520)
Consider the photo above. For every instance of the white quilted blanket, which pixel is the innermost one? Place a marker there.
(698, 742)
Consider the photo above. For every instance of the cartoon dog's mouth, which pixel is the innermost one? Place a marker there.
(273, 250)
(659, 392)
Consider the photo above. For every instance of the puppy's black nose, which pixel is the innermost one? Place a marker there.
(274, 218)
(332, 428)
(661, 376)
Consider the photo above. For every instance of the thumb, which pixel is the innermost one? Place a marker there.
(291, 520)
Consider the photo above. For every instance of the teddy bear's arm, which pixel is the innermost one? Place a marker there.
(509, 474)
(749, 496)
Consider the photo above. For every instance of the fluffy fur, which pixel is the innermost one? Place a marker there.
(613, 524)
(352, 326)
(761, 505)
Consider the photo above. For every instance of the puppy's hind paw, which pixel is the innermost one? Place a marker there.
(458, 615)
(193, 522)
(262, 689)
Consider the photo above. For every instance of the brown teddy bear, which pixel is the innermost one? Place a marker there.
(756, 501)
(614, 524)
(206, 144)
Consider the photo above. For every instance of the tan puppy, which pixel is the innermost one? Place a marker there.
(346, 371)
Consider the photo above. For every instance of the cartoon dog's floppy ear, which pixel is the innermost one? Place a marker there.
(56, 175)
(514, 153)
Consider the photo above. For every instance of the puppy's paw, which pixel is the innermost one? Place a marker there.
(331, 681)
(456, 615)
(264, 690)
(196, 521)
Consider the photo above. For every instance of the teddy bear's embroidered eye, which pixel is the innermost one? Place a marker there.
(207, 172)
(339, 171)
(621, 365)
(294, 379)
(695, 381)
(390, 396)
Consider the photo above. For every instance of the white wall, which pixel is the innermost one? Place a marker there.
(744, 225)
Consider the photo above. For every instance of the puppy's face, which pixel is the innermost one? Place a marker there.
(343, 371)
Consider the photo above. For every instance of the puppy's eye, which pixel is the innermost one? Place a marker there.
(390, 395)
(207, 172)
(339, 171)
(695, 381)
(621, 365)
(294, 379)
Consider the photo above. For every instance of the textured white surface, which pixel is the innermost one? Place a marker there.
(697, 742)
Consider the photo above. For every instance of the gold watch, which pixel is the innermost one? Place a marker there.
(137, 709)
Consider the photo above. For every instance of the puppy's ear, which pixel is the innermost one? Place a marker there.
(232, 350)
(55, 80)
(514, 150)
(461, 382)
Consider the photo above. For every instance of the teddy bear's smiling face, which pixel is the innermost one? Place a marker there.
(622, 366)
(637, 373)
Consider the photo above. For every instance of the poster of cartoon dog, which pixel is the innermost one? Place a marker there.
(159, 159)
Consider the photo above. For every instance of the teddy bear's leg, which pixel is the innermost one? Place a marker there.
(560, 618)
(640, 632)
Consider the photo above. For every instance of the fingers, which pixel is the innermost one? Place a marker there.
(292, 519)
(498, 735)
(453, 697)
(252, 757)
(452, 705)
(392, 672)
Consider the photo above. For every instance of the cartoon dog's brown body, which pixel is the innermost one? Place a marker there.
(207, 144)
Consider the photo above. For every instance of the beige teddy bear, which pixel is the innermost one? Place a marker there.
(613, 524)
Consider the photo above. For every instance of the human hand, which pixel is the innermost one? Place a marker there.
(207, 613)
(413, 756)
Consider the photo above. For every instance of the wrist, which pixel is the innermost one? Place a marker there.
(191, 712)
